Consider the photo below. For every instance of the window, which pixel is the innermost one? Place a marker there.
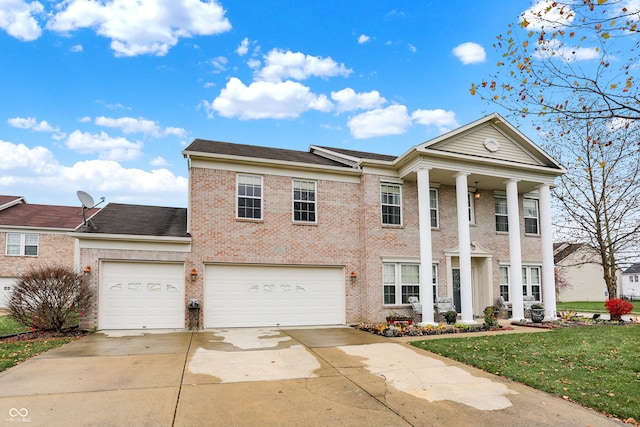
(304, 201)
(401, 281)
(531, 282)
(390, 195)
(250, 196)
(530, 216)
(472, 208)
(433, 201)
(502, 220)
(22, 244)
(504, 283)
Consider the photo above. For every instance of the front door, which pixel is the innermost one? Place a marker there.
(456, 290)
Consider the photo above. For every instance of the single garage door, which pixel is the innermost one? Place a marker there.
(251, 295)
(6, 286)
(139, 295)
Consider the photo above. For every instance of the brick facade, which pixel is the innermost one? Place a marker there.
(54, 248)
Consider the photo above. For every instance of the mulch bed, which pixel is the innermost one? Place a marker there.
(43, 335)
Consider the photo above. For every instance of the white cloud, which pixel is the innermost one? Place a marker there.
(159, 161)
(142, 27)
(254, 64)
(555, 49)
(443, 120)
(133, 125)
(35, 170)
(108, 148)
(470, 53)
(392, 120)
(16, 18)
(412, 48)
(547, 14)
(280, 65)
(243, 49)
(349, 100)
(31, 123)
(266, 100)
(219, 64)
(76, 48)
(363, 38)
(85, 119)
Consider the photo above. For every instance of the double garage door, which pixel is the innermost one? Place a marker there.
(256, 295)
(142, 295)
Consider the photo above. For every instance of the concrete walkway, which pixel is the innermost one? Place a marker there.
(267, 377)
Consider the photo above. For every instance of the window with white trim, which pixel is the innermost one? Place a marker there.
(502, 219)
(433, 201)
(530, 207)
(304, 200)
(249, 196)
(531, 282)
(21, 244)
(391, 201)
(504, 282)
(402, 280)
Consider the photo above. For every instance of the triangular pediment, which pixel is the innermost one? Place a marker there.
(491, 138)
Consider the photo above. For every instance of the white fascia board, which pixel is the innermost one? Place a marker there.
(195, 156)
(131, 238)
(340, 175)
(355, 160)
(42, 230)
(14, 202)
(128, 242)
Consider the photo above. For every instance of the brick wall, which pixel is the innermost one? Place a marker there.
(53, 249)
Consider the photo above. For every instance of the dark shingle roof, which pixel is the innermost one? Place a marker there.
(362, 154)
(565, 252)
(635, 268)
(253, 151)
(139, 220)
(9, 199)
(44, 216)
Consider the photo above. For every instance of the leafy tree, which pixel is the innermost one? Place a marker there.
(558, 49)
(599, 195)
(50, 297)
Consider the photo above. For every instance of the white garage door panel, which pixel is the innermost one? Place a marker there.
(6, 286)
(271, 295)
(142, 295)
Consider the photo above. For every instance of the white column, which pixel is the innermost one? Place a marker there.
(548, 273)
(464, 247)
(426, 254)
(515, 251)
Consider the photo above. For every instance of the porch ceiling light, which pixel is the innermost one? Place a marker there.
(476, 194)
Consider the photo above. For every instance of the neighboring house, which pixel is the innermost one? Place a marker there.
(580, 267)
(280, 237)
(631, 282)
(34, 235)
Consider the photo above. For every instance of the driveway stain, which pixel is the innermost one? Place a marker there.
(429, 378)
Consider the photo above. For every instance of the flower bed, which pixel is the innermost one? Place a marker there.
(401, 330)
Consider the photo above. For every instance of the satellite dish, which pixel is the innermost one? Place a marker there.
(85, 199)
(87, 203)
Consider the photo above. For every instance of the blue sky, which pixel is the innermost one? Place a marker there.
(102, 96)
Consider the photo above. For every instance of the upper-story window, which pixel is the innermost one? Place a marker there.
(22, 244)
(502, 220)
(304, 200)
(249, 196)
(433, 202)
(391, 201)
(531, 216)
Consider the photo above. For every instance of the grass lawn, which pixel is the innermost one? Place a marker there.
(596, 366)
(592, 306)
(14, 352)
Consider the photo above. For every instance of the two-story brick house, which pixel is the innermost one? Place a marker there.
(34, 235)
(334, 236)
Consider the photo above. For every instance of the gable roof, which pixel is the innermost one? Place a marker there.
(237, 151)
(8, 201)
(138, 220)
(563, 250)
(42, 216)
(634, 269)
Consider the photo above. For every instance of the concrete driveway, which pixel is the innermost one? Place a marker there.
(265, 377)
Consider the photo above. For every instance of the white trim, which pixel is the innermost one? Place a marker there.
(293, 201)
(261, 198)
(392, 184)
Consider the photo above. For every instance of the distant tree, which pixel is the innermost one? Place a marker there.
(562, 283)
(49, 298)
(570, 59)
(600, 194)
